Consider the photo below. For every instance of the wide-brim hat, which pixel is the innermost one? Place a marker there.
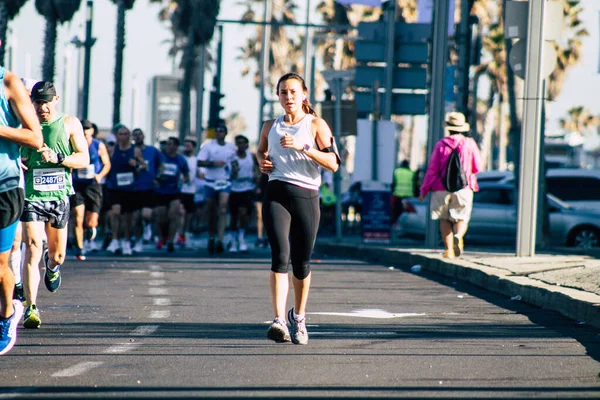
(456, 122)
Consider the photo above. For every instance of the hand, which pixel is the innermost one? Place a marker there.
(23, 162)
(97, 178)
(421, 198)
(265, 166)
(48, 155)
(288, 142)
(133, 162)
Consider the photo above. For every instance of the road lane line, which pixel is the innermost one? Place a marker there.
(122, 348)
(158, 291)
(154, 267)
(144, 330)
(159, 301)
(376, 313)
(157, 274)
(156, 282)
(77, 369)
(160, 314)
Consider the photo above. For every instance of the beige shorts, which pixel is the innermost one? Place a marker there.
(454, 207)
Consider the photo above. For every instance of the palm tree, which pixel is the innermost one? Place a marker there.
(122, 6)
(56, 12)
(195, 20)
(8, 10)
(285, 51)
(579, 120)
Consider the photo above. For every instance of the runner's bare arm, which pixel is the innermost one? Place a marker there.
(262, 154)
(140, 158)
(103, 153)
(80, 158)
(324, 139)
(30, 134)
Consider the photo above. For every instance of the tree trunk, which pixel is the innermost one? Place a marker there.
(473, 117)
(119, 47)
(49, 49)
(189, 64)
(3, 29)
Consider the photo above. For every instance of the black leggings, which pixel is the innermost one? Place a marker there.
(291, 217)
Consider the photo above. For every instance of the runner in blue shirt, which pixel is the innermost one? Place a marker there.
(174, 171)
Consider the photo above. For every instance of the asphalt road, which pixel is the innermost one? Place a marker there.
(187, 325)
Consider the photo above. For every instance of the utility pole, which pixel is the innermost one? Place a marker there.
(436, 96)
(89, 42)
(307, 42)
(264, 60)
(200, 92)
(391, 10)
(464, 57)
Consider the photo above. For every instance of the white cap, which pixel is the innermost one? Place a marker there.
(110, 138)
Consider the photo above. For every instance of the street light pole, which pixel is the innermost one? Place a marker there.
(89, 42)
(263, 65)
(389, 58)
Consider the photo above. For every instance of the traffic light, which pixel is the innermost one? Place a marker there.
(215, 108)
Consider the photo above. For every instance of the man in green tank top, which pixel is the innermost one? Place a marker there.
(47, 190)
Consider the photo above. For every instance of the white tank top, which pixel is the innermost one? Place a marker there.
(290, 165)
(244, 182)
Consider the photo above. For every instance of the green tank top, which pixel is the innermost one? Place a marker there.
(46, 181)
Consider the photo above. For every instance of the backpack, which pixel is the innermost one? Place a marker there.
(455, 178)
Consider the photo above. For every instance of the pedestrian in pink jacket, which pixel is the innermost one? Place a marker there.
(452, 209)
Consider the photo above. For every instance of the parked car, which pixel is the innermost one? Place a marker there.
(578, 187)
(494, 219)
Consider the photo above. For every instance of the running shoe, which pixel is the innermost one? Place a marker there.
(31, 319)
(113, 246)
(299, 332)
(147, 233)
(51, 278)
(19, 293)
(80, 254)
(181, 240)
(92, 246)
(107, 241)
(279, 332)
(160, 244)
(126, 248)
(138, 248)
(243, 247)
(233, 247)
(8, 328)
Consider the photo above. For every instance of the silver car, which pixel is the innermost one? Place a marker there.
(494, 219)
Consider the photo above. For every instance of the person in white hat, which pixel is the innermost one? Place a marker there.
(452, 205)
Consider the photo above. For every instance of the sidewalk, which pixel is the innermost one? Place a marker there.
(566, 283)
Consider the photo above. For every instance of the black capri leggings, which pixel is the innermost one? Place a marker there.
(291, 217)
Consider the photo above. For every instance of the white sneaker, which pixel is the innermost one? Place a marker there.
(113, 246)
(138, 248)
(233, 247)
(243, 246)
(126, 248)
(92, 246)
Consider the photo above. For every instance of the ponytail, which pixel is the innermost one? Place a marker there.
(307, 108)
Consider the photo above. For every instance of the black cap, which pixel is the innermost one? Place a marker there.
(221, 126)
(44, 91)
(87, 124)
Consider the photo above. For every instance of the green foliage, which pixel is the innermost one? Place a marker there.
(13, 7)
(61, 10)
(128, 4)
(198, 15)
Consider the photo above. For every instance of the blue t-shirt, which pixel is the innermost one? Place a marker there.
(173, 168)
(87, 174)
(10, 168)
(122, 174)
(146, 177)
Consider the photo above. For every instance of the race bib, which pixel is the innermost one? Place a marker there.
(170, 169)
(87, 173)
(125, 179)
(48, 179)
(221, 184)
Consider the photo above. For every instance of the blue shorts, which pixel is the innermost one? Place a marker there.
(211, 190)
(7, 237)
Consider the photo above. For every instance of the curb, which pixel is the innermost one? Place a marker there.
(572, 303)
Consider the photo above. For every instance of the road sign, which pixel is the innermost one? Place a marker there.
(404, 33)
(404, 78)
(348, 116)
(402, 103)
(404, 53)
(517, 58)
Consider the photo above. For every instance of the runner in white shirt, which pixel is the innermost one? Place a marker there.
(217, 157)
(243, 188)
(188, 189)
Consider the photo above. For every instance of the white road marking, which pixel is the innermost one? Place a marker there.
(154, 267)
(376, 313)
(157, 274)
(160, 314)
(351, 333)
(156, 282)
(77, 369)
(158, 291)
(144, 330)
(122, 348)
(161, 301)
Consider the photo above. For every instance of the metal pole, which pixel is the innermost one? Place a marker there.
(436, 95)
(200, 93)
(89, 42)
(464, 57)
(374, 132)
(389, 58)
(264, 61)
(313, 67)
(307, 40)
(337, 177)
(531, 134)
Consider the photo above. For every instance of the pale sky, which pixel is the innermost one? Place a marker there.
(146, 55)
